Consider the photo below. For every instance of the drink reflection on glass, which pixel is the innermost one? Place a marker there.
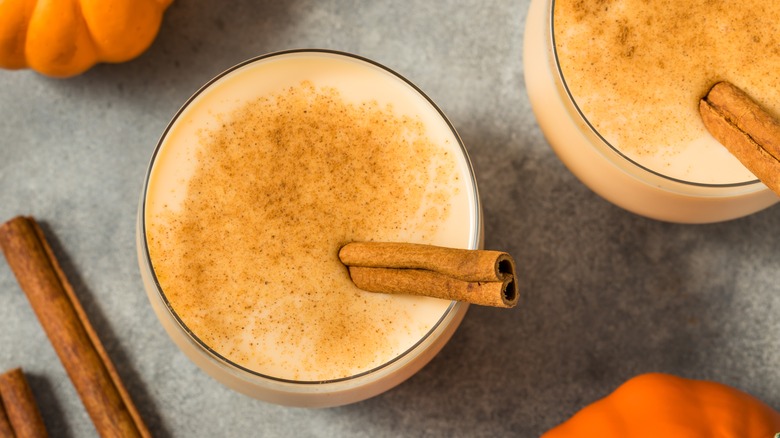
(255, 185)
(615, 86)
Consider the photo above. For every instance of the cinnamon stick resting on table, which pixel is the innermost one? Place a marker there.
(748, 131)
(22, 412)
(70, 332)
(6, 430)
(475, 276)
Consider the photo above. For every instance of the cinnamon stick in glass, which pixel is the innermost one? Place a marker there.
(52, 298)
(22, 411)
(747, 130)
(475, 276)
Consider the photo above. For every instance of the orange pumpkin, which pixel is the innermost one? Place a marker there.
(66, 37)
(665, 406)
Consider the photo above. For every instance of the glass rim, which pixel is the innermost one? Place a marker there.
(592, 129)
(431, 334)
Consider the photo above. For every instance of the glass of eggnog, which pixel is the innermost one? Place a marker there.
(255, 185)
(616, 84)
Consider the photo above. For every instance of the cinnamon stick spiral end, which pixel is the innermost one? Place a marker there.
(505, 267)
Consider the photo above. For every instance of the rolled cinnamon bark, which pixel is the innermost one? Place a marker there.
(748, 131)
(69, 330)
(474, 276)
(5, 424)
(23, 413)
(463, 264)
(436, 285)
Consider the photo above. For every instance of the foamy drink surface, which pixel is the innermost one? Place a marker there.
(637, 69)
(257, 187)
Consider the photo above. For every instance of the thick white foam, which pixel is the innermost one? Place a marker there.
(639, 84)
(403, 321)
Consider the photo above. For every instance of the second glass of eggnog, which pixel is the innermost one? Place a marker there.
(615, 86)
(255, 185)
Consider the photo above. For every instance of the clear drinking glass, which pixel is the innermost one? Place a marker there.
(604, 168)
(244, 78)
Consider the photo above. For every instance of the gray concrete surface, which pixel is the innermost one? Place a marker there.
(606, 294)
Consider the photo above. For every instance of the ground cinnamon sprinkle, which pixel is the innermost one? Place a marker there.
(278, 189)
(638, 68)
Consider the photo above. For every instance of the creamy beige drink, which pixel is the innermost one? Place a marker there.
(637, 69)
(627, 76)
(257, 184)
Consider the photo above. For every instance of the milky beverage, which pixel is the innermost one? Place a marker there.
(264, 176)
(637, 69)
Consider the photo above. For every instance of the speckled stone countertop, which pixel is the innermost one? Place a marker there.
(606, 294)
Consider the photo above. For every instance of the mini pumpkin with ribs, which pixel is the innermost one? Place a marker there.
(62, 38)
(657, 405)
